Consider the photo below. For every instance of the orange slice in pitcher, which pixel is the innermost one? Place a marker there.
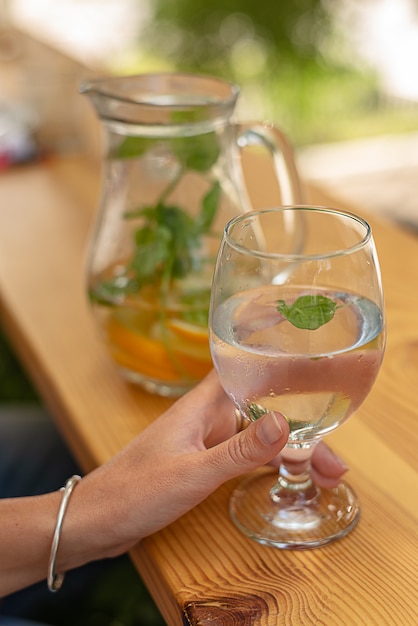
(168, 360)
(188, 331)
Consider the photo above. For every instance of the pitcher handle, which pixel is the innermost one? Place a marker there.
(258, 134)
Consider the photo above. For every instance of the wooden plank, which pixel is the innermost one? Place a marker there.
(201, 570)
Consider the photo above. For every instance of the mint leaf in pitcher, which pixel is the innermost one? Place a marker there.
(198, 152)
(308, 312)
(132, 147)
(168, 238)
(209, 208)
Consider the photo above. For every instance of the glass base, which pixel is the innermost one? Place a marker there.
(166, 389)
(330, 516)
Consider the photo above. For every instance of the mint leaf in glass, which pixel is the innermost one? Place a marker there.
(308, 312)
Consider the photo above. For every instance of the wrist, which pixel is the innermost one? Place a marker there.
(90, 529)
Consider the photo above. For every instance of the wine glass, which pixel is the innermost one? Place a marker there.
(296, 326)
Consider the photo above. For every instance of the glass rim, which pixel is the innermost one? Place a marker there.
(294, 256)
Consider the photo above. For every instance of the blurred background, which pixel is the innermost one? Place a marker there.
(325, 70)
(339, 77)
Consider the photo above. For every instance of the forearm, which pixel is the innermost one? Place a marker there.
(27, 526)
(27, 529)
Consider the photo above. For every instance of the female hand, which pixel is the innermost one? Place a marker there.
(164, 472)
(171, 467)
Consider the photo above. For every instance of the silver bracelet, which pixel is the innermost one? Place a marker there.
(55, 580)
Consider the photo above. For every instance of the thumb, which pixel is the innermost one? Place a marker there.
(258, 444)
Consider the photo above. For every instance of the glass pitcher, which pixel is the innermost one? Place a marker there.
(172, 179)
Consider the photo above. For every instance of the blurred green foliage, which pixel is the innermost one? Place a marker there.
(117, 598)
(15, 386)
(290, 32)
(292, 59)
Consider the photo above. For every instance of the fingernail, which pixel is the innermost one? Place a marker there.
(269, 429)
(335, 458)
(342, 463)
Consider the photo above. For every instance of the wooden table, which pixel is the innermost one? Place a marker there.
(201, 570)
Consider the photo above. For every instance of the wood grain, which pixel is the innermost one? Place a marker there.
(201, 570)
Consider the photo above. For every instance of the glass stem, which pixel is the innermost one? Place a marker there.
(295, 485)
